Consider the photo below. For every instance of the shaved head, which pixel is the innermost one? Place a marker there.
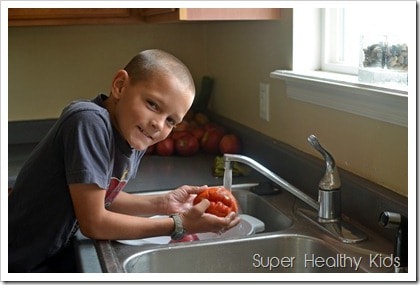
(150, 63)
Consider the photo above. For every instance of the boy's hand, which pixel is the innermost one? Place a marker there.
(181, 199)
(194, 218)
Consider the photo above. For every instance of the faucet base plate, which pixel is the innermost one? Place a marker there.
(340, 229)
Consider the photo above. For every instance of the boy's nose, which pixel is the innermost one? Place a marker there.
(157, 124)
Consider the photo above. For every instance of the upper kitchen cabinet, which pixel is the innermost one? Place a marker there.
(86, 16)
(163, 15)
(71, 16)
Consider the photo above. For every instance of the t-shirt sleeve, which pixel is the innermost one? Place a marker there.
(87, 143)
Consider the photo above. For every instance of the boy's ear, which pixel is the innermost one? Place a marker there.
(120, 80)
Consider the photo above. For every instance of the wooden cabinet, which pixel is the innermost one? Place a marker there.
(71, 16)
(86, 16)
(157, 15)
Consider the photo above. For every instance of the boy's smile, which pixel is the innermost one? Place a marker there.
(144, 133)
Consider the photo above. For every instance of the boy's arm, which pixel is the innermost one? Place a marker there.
(135, 205)
(175, 201)
(97, 222)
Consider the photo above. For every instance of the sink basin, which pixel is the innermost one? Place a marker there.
(281, 253)
(257, 215)
(289, 244)
(256, 206)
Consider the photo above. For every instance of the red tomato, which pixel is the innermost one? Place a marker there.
(230, 143)
(222, 202)
(178, 134)
(198, 132)
(165, 147)
(183, 126)
(211, 139)
(201, 118)
(187, 145)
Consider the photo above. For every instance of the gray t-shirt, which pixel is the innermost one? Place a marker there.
(82, 147)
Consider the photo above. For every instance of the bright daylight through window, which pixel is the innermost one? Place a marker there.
(354, 58)
(370, 44)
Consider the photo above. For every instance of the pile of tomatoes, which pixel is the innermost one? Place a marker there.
(196, 133)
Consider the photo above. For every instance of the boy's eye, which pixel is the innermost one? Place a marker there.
(171, 123)
(155, 107)
(152, 105)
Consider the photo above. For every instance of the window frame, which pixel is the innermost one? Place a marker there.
(331, 18)
(308, 83)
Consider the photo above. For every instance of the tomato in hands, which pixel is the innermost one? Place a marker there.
(222, 202)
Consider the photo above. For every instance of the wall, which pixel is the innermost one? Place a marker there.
(243, 54)
(51, 66)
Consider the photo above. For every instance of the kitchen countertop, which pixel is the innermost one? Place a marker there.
(164, 173)
(154, 173)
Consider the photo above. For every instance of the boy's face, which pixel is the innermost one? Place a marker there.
(146, 112)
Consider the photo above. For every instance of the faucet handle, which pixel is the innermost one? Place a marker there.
(331, 179)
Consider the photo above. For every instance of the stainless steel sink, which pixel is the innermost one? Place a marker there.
(251, 204)
(283, 253)
(288, 244)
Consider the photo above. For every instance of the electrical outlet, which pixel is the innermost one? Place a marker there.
(265, 101)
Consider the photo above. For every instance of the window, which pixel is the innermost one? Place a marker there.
(339, 50)
(347, 31)
(327, 75)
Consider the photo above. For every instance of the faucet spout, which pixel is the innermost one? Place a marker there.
(273, 177)
(326, 213)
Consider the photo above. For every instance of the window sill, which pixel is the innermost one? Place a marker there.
(345, 93)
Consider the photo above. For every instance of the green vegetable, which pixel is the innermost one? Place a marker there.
(238, 169)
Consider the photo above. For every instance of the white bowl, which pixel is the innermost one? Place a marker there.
(247, 226)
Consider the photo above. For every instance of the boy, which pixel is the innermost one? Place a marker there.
(74, 177)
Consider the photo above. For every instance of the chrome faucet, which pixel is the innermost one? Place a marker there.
(267, 173)
(327, 212)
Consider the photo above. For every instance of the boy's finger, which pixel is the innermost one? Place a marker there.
(195, 189)
(232, 220)
(202, 206)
